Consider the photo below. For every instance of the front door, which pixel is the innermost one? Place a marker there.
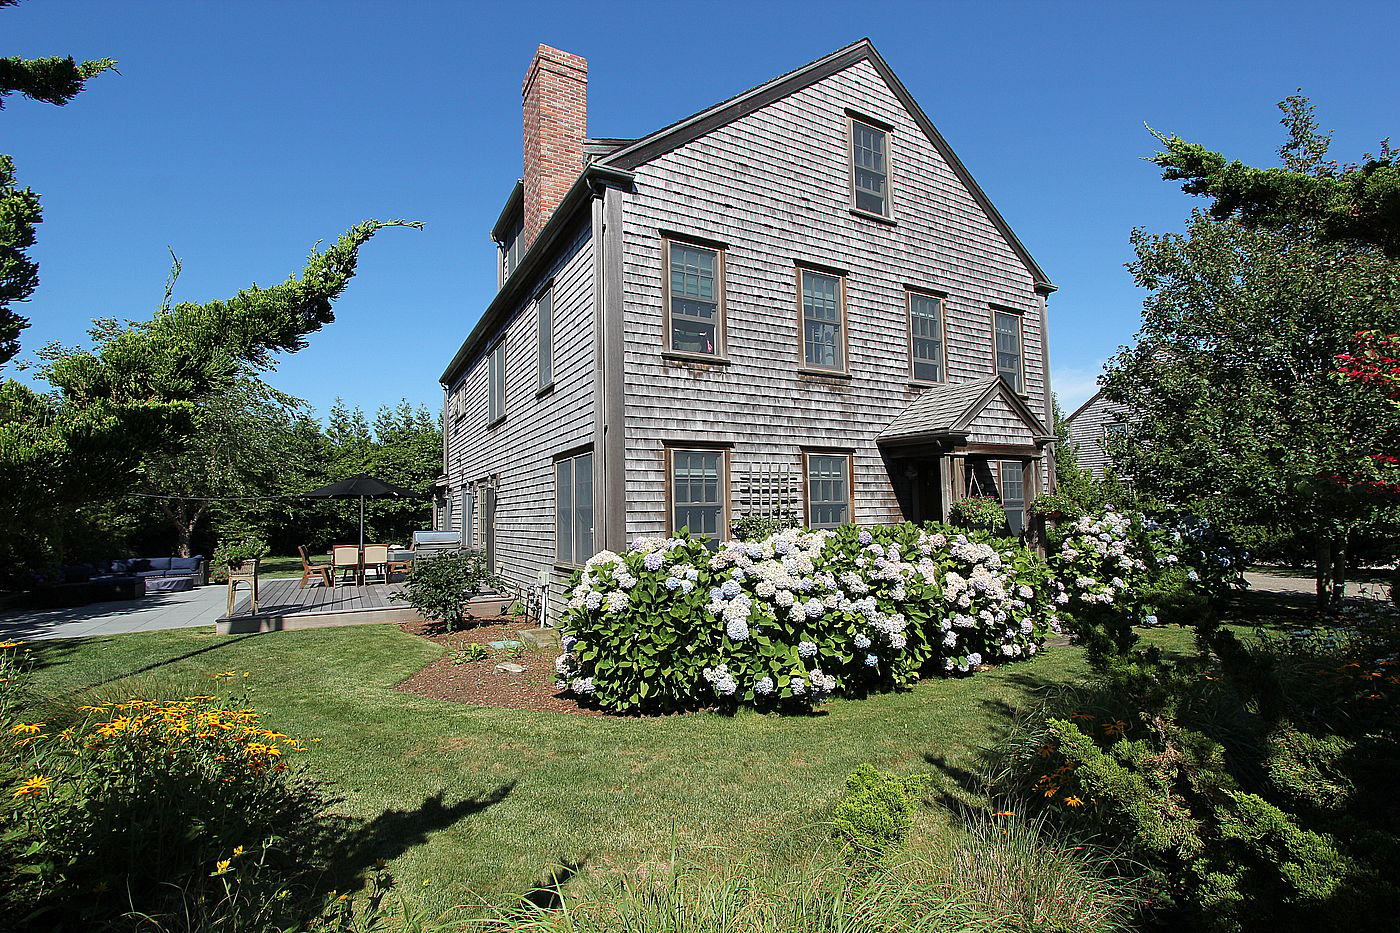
(919, 488)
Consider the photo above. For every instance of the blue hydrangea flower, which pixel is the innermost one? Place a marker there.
(806, 649)
(737, 630)
(763, 686)
(798, 686)
(567, 643)
(730, 589)
(672, 584)
(862, 641)
(871, 660)
(653, 561)
(865, 538)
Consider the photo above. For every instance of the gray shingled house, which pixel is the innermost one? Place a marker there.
(1090, 428)
(797, 300)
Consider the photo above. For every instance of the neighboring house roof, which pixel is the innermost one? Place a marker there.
(1082, 408)
(612, 160)
(693, 127)
(948, 411)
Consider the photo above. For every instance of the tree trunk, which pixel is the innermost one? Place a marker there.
(1339, 570)
(1324, 571)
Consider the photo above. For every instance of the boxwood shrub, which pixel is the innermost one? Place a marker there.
(802, 615)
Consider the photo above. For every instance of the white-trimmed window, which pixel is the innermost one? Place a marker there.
(512, 249)
(694, 298)
(573, 509)
(823, 300)
(1006, 328)
(828, 489)
(870, 168)
(698, 482)
(925, 337)
(496, 384)
(1003, 480)
(544, 331)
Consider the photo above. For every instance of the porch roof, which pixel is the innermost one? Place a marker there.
(946, 413)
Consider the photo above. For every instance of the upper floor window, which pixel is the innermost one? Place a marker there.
(573, 509)
(697, 485)
(925, 337)
(870, 168)
(496, 384)
(828, 489)
(544, 331)
(823, 320)
(512, 249)
(1007, 328)
(694, 298)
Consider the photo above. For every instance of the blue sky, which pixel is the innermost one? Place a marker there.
(240, 134)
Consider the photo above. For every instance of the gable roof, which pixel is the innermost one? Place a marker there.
(946, 412)
(693, 127)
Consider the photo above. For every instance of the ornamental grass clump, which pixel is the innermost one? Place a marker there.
(144, 807)
(786, 622)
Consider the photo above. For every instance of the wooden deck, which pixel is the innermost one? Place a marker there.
(283, 604)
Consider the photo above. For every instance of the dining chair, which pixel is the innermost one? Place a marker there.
(345, 558)
(309, 570)
(376, 559)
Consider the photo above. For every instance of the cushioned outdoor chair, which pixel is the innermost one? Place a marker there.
(376, 559)
(310, 570)
(345, 558)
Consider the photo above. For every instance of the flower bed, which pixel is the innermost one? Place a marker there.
(800, 616)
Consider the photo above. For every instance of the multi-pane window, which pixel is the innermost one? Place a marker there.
(496, 384)
(823, 343)
(573, 509)
(693, 298)
(1013, 494)
(1007, 328)
(512, 249)
(925, 337)
(828, 490)
(697, 493)
(870, 172)
(544, 328)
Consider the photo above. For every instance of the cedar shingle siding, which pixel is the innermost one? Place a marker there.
(767, 176)
(1088, 428)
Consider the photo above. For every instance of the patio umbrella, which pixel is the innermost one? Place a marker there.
(363, 487)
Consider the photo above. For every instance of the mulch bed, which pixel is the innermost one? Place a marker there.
(478, 682)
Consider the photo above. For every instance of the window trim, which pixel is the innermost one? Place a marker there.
(842, 318)
(850, 457)
(909, 294)
(1026, 486)
(709, 447)
(496, 370)
(572, 457)
(1020, 387)
(721, 287)
(852, 118)
(543, 299)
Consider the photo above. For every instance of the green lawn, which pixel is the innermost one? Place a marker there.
(465, 800)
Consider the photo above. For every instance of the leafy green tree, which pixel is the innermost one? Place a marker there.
(1356, 203)
(53, 81)
(1238, 415)
(137, 394)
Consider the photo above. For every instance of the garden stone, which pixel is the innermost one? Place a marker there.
(539, 637)
(510, 667)
(505, 645)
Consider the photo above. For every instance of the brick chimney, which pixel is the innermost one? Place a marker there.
(555, 96)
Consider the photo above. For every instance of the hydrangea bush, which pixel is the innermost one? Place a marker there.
(1121, 569)
(797, 617)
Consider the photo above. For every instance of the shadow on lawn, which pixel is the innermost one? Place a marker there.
(357, 845)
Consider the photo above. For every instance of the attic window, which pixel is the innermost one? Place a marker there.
(870, 168)
(512, 249)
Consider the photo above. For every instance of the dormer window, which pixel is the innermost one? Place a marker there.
(512, 248)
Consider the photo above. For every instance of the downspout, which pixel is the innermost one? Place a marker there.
(1042, 292)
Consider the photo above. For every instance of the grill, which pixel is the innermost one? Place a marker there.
(428, 543)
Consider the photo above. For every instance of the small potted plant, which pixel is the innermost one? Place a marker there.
(238, 555)
(1055, 506)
